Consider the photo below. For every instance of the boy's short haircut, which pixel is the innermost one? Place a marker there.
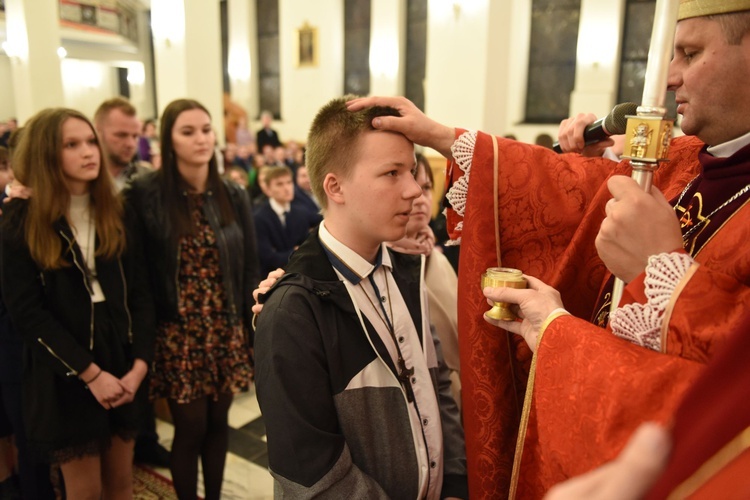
(102, 112)
(332, 142)
(235, 168)
(276, 172)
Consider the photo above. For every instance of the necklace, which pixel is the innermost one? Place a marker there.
(83, 225)
(404, 373)
(89, 262)
(708, 217)
(682, 194)
(91, 250)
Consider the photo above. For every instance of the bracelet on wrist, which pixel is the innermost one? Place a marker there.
(94, 377)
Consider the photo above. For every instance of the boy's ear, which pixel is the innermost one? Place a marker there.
(333, 188)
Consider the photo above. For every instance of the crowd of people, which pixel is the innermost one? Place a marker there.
(377, 371)
(92, 329)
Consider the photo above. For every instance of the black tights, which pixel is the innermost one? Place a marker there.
(201, 429)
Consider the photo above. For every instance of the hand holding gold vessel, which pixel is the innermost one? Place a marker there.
(535, 305)
(502, 277)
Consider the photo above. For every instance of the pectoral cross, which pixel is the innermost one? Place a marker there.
(404, 376)
(687, 219)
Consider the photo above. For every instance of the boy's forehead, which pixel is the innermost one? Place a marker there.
(383, 161)
(282, 177)
(377, 138)
(371, 148)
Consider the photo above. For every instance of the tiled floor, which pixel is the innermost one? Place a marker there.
(246, 476)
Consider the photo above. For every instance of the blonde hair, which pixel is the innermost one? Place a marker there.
(332, 144)
(274, 172)
(37, 164)
(105, 108)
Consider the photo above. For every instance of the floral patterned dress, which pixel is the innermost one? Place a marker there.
(201, 353)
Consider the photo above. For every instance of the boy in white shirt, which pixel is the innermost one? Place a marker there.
(354, 393)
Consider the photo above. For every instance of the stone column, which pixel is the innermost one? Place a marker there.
(33, 37)
(187, 55)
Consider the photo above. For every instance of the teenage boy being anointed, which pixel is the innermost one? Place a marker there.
(351, 383)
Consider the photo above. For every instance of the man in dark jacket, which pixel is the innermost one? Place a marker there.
(118, 127)
(303, 195)
(267, 136)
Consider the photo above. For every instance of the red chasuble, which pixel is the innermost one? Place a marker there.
(711, 433)
(591, 389)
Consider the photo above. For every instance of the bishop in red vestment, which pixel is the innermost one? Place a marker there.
(590, 386)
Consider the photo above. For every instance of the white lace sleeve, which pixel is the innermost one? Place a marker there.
(463, 151)
(641, 323)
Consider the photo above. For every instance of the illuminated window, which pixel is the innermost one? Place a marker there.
(416, 51)
(357, 47)
(552, 59)
(269, 74)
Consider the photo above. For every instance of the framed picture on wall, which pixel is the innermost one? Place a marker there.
(307, 46)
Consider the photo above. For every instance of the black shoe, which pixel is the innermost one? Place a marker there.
(152, 454)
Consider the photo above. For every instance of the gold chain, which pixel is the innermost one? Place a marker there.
(708, 217)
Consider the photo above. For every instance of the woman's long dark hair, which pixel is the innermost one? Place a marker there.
(172, 183)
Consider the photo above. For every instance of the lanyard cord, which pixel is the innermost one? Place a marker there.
(404, 373)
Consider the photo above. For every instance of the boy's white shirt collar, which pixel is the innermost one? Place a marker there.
(277, 207)
(358, 264)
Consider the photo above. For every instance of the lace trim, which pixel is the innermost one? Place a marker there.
(641, 323)
(91, 448)
(463, 151)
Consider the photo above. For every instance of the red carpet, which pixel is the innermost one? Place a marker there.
(150, 485)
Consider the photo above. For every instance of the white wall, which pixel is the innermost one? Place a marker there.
(304, 90)
(455, 77)
(105, 52)
(477, 62)
(87, 83)
(187, 55)
(7, 102)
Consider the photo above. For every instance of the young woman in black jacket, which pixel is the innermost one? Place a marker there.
(81, 304)
(198, 233)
